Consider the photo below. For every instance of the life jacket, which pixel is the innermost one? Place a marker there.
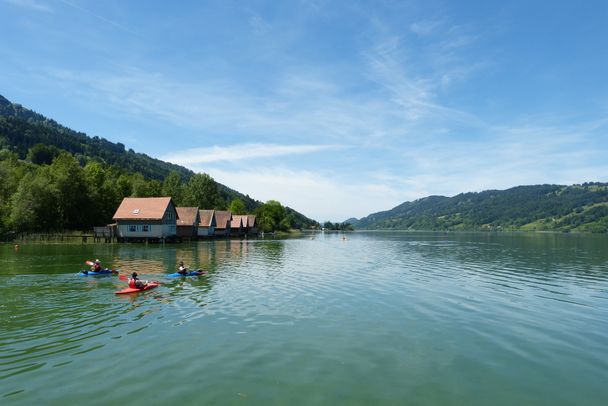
(132, 283)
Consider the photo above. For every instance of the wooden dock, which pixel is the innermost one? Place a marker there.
(99, 234)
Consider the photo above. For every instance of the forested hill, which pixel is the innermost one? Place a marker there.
(30, 172)
(581, 208)
(21, 129)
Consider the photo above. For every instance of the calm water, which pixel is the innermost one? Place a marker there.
(379, 318)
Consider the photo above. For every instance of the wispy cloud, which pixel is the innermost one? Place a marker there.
(33, 5)
(393, 103)
(424, 27)
(98, 16)
(257, 24)
(415, 94)
(299, 105)
(240, 152)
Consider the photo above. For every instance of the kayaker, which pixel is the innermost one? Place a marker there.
(135, 283)
(182, 270)
(96, 267)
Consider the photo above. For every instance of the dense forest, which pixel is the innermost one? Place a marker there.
(54, 179)
(578, 208)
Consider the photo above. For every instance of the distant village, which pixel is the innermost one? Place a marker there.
(158, 219)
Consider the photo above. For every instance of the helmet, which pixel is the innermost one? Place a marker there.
(181, 262)
(134, 274)
(97, 261)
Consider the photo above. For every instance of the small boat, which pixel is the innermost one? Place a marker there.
(106, 271)
(198, 272)
(150, 285)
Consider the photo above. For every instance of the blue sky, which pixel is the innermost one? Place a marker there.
(335, 108)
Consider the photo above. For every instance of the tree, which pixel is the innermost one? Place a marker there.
(139, 186)
(123, 186)
(72, 197)
(155, 188)
(172, 186)
(271, 216)
(42, 154)
(201, 191)
(237, 206)
(34, 205)
(11, 172)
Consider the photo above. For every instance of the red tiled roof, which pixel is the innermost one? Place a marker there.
(142, 208)
(222, 219)
(206, 217)
(187, 216)
(238, 221)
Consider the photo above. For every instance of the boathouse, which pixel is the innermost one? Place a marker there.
(146, 218)
(187, 222)
(207, 224)
(238, 226)
(252, 225)
(222, 219)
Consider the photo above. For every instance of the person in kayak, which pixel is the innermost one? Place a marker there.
(136, 283)
(96, 267)
(182, 270)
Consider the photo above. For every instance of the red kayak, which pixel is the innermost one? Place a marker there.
(150, 285)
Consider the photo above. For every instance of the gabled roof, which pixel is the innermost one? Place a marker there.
(251, 220)
(238, 221)
(142, 208)
(187, 216)
(206, 217)
(222, 219)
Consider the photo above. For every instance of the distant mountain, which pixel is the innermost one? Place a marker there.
(351, 220)
(575, 208)
(22, 129)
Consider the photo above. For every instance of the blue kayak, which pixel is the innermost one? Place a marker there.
(93, 273)
(190, 273)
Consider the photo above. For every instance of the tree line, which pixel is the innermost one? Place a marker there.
(53, 190)
(54, 178)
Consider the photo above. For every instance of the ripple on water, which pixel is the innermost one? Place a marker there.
(51, 321)
(305, 321)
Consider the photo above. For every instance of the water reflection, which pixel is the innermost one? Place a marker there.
(470, 309)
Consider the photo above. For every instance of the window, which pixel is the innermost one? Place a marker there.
(145, 228)
(132, 228)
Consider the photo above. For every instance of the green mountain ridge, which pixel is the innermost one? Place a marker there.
(23, 130)
(574, 208)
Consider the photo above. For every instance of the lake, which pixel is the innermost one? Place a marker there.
(378, 318)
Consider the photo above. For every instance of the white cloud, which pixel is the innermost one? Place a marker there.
(240, 152)
(409, 142)
(301, 106)
(313, 194)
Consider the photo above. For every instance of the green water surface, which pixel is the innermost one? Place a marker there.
(373, 319)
